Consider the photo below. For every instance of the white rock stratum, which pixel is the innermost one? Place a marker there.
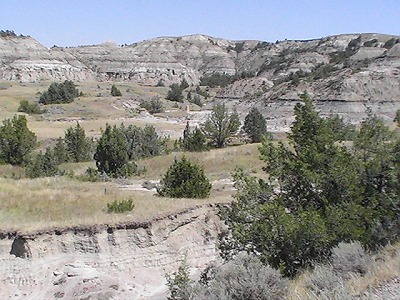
(124, 261)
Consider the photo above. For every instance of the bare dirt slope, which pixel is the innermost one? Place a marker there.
(126, 261)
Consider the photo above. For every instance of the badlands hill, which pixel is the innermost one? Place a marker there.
(346, 73)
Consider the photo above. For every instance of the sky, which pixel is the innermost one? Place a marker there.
(86, 22)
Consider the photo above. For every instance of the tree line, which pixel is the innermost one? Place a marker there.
(325, 200)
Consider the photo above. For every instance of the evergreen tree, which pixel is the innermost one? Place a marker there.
(175, 93)
(16, 140)
(115, 92)
(192, 141)
(255, 125)
(78, 146)
(60, 151)
(42, 165)
(59, 93)
(318, 193)
(221, 125)
(144, 142)
(153, 106)
(112, 153)
(397, 118)
(179, 283)
(185, 179)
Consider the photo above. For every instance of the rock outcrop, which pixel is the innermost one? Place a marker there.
(125, 261)
(346, 72)
(24, 59)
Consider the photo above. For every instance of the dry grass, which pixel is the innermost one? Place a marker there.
(92, 111)
(386, 266)
(218, 163)
(32, 204)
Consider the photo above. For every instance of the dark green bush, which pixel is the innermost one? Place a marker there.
(16, 140)
(112, 152)
(153, 106)
(120, 206)
(185, 179)
(255, 125)
(193, 140)
(115, 92)
(216, 79)
(26, 107)
(42, 165)
(318, 193)
(175, 93)
(391, 42)
(59, 93)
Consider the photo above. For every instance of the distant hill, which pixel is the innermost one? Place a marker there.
(358, 70)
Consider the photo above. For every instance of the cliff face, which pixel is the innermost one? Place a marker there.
(128, 261)
(24, 59)
(346, 73)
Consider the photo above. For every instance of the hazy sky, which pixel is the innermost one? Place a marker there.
(81, 22)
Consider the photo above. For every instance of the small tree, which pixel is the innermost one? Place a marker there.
(220, 125)
(78, 146)
(60, 151)
(115, 92)
(59, 93)
(144, 142)
(112, 153)
(255, 125)
(26, 107)
(179, 283)
(42, 165)
(16, 140)
(175, 93)
(192, 140)
(153, 106)
(185, 179)
(397, 118)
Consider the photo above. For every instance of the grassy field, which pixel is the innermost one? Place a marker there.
(32, 204)
(96, 108)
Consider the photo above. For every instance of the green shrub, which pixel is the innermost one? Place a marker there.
(255, 125)
(244, 277)
(59, 93)
(78, 147)
(42, 165)
(143, 142)
(193, 140)
(201, 92)
(120, 206)
(112, 152)
(391, 42)
(179, 283)
(93, 175)
(370, 43)
(196, 100)
(16, 140)
(115, 92)
(184, 179)
(175, 93)
(26, 107)
(153, 106)
(216, 79)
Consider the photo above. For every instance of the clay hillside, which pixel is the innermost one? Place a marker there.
(348, 72)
